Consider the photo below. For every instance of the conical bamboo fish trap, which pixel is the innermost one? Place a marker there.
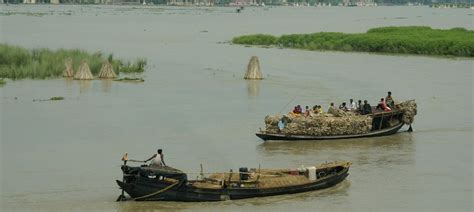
(84, 72)
(107, 71)
(253, 69)
(69, 71)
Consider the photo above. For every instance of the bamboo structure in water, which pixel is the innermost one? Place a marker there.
(253, 69)
(107, 71)
(69, 71)
(84, 72)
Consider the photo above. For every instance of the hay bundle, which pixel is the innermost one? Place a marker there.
(337, 112)
(409, 109)
(68, 72)
(84, 72)
(253, 69)
(321, 124)
(107, 71)
(272, 120)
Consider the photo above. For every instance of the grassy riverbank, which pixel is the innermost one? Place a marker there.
(400, 40)
(18, 63)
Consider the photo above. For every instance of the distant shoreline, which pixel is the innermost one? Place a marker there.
(231, 3)
(414, 40)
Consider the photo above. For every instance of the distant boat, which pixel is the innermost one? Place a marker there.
(383, 124)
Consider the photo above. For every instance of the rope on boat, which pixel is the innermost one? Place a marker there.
(294, 97)
(138, 161)
(157, 192)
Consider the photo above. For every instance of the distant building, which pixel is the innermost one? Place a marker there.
(358, 3)
(244, 2)
(122, 2)
(189, 2)
(29, 1)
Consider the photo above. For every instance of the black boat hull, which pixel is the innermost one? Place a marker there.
(187, 193)
(384, 132)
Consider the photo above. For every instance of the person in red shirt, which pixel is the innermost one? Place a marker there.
(383, 105)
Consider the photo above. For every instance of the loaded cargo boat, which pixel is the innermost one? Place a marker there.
(340, 126)
(148, 183)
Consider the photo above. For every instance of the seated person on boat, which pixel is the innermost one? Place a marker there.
(331, 108)
(297, 110)
(383, 105)
(343, 107)
(307, 111)
(157, 159)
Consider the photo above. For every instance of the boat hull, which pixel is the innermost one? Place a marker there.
(274, 136)
(188, 193)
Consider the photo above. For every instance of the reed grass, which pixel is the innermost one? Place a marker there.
(41, 63)
(56, 98)
(130, 79)
(420, 40)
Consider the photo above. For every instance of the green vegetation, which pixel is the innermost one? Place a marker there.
(55, 98)
(400, 40)
(18, 63)
(128, 79)
(2, 82)
(258, 39)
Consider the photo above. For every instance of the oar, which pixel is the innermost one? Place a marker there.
(125, 159)
(138, 161)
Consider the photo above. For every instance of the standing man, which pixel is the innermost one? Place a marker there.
(366, 109)
(157, 159)
(389, 100)
(359, 106)
(352, 105)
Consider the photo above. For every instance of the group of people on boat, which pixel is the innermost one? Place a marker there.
(298, 110)
(386, 104)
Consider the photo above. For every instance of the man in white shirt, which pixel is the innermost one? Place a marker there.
(352, 105)
(157, 159)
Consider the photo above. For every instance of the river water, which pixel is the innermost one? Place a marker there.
(65, 155)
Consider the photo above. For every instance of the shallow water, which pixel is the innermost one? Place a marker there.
(65, 155)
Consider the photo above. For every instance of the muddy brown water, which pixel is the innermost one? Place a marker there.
(65, 155)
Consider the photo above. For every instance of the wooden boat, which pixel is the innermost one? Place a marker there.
(383, 123)
(165, 183)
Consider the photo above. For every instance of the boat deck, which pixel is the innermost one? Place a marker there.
(265, 178)
(262, 181)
